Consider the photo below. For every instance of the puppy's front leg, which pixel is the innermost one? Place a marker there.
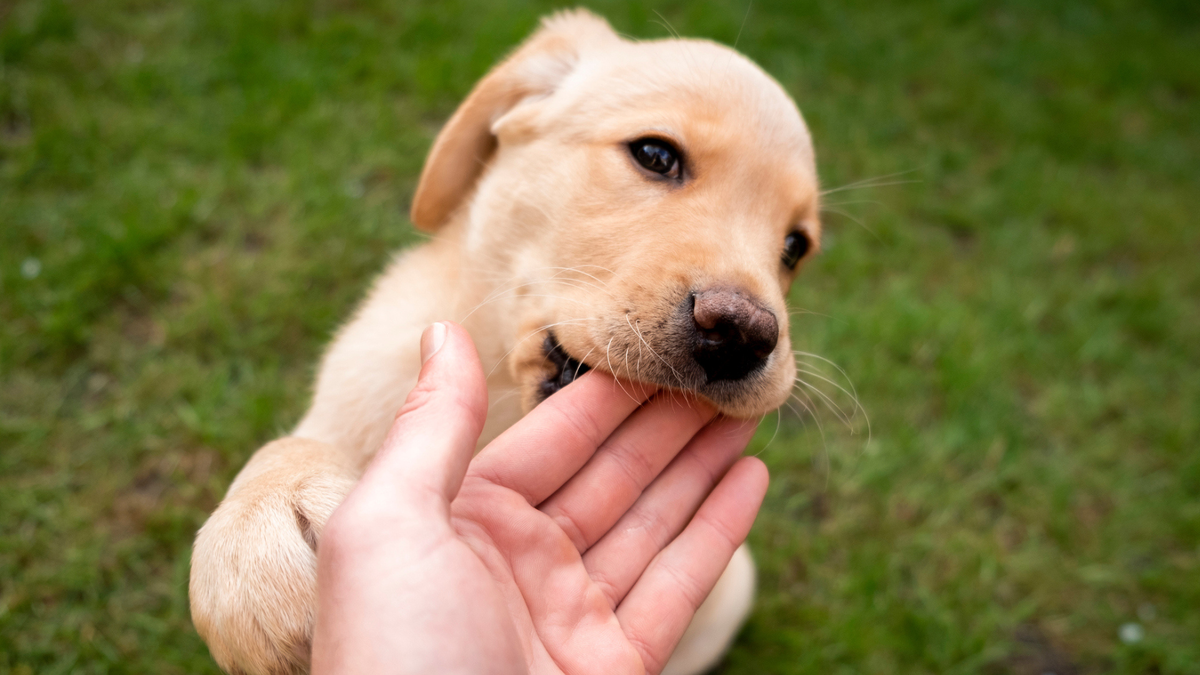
(254, 565)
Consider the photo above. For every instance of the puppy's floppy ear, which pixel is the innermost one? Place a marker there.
(534, 70)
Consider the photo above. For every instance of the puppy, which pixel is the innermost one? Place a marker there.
(637, 207)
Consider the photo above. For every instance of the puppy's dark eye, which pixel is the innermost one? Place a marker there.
(794, 247)
(656, 155)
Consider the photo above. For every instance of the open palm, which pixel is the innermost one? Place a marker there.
(581, 540)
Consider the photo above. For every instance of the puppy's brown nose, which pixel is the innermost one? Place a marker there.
(734, 334)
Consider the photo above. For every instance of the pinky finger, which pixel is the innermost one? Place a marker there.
(661, 604)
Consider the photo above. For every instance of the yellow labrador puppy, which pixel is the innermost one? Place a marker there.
(637, 207)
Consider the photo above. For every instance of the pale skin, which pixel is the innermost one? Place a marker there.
(580, 541)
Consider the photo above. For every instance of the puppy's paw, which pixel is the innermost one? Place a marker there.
(254, 565)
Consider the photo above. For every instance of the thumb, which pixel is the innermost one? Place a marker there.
(433, 438)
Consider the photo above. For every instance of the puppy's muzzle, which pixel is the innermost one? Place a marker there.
(734, 335)
(714, 344)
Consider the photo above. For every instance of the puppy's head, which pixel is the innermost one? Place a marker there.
(641, 207)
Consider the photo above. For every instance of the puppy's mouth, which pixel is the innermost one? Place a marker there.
(565, 368)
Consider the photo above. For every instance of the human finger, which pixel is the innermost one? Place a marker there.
(435, 433)
(661, 604)
(633, 456)
(660, 514)
(539, 453)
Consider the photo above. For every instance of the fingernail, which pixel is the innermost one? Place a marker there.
(432, 340)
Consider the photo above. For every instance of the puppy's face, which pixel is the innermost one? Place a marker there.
(650, 212)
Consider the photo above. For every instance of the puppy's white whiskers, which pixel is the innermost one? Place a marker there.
(877, 181)
(778, 423)
(851, 202)
(667, 24)
(853, 391)
(847, 214)
(608, 357)
(853, 397)
(583, 361)
(600, 284)
(800, 310)
(829, 403)
(514, 391)
(678, 377)
(812, 413)
(833, 407)
(742, 27)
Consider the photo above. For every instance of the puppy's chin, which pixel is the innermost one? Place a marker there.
(548, 368)
(755, 398)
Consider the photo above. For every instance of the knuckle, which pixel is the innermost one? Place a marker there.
(633, 463)
(570, 527)
(610, 590)
(693, 591)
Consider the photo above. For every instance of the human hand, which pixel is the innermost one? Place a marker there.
(581, 540)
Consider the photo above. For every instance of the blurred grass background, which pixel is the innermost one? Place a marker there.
(193, 194)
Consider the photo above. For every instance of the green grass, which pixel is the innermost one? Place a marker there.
(193, 194)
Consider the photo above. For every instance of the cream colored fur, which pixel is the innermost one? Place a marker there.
(541, 221)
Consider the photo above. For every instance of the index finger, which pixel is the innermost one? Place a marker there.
(539, 453)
